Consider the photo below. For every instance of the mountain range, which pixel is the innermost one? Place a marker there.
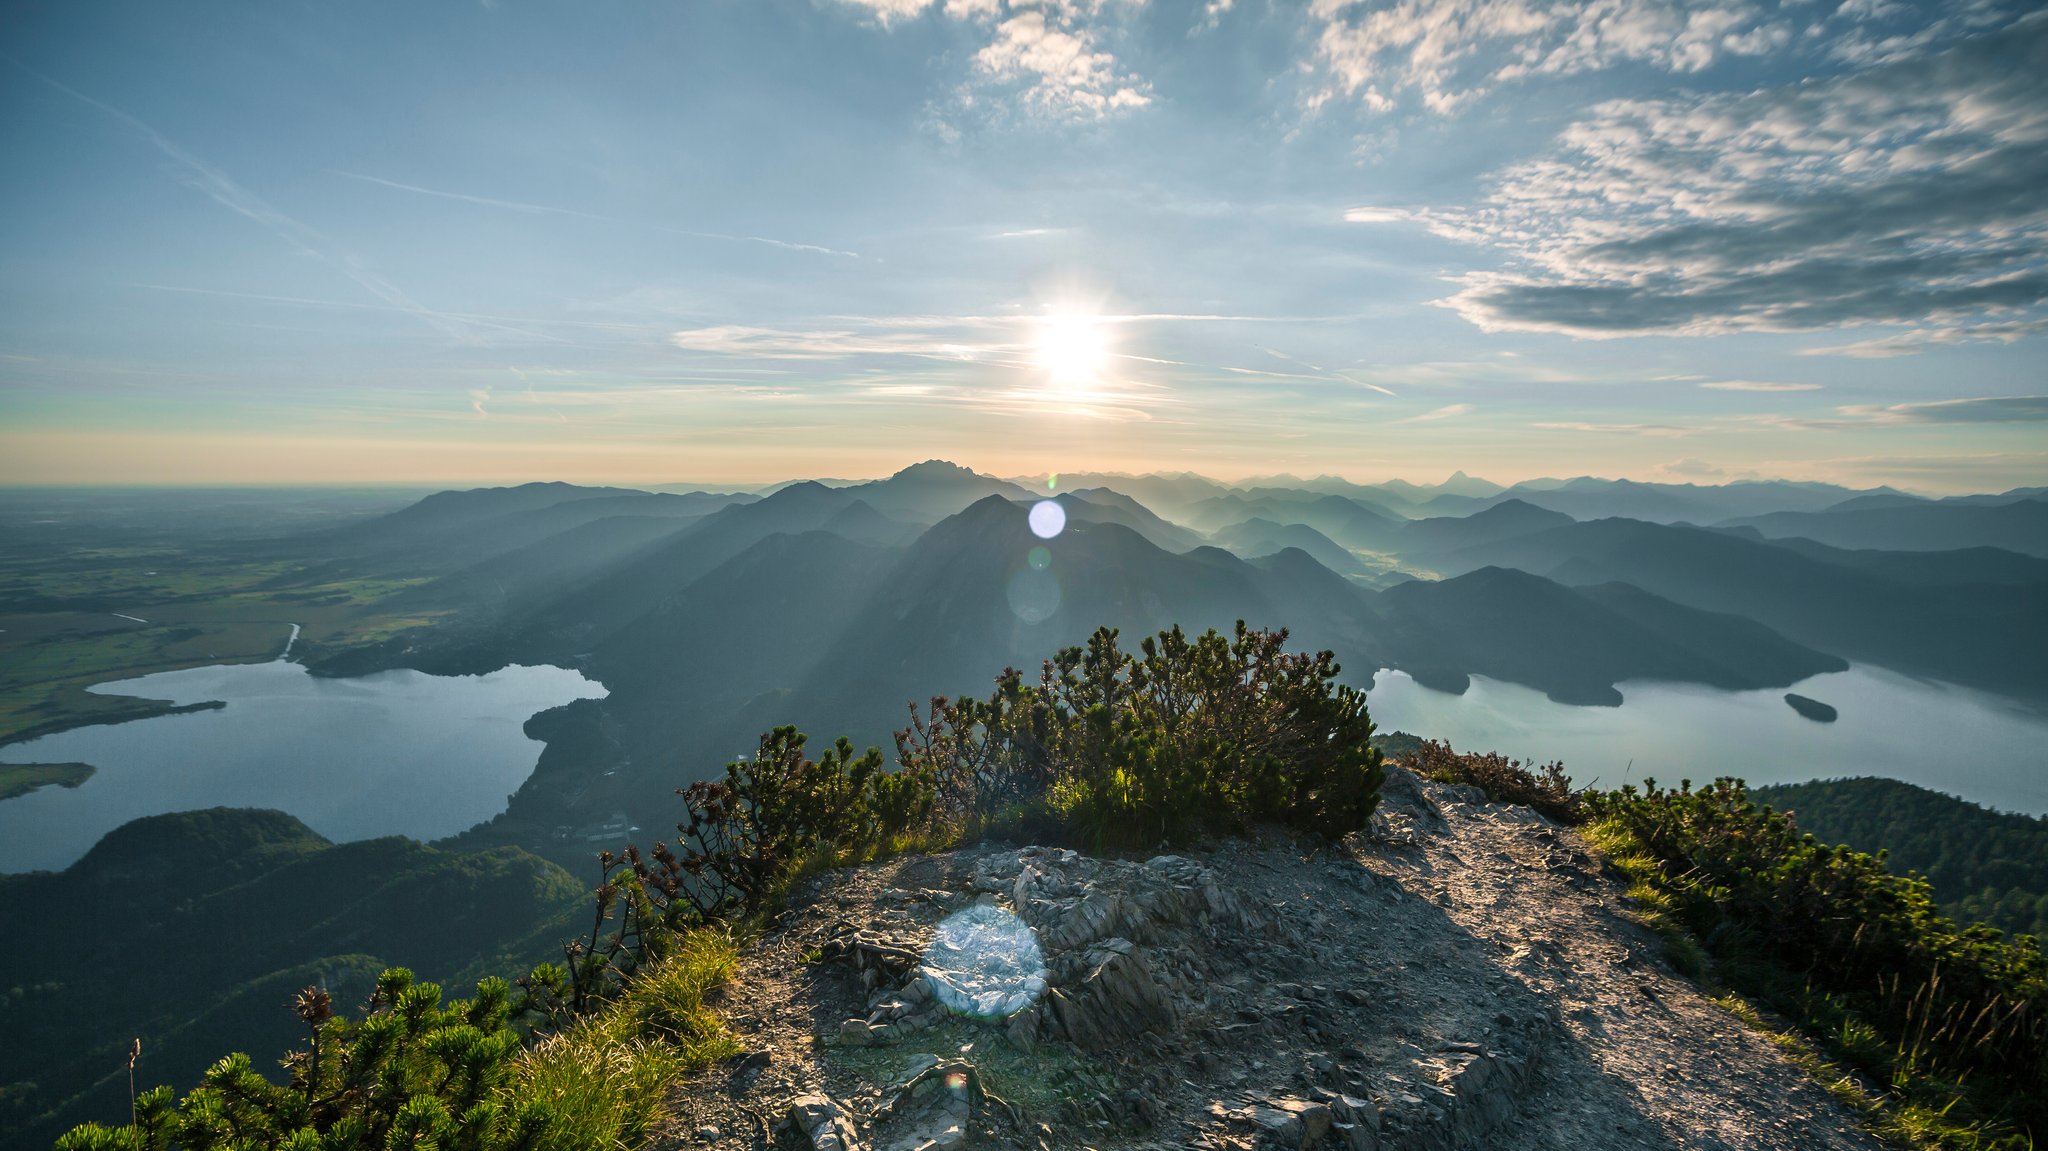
(711, 617)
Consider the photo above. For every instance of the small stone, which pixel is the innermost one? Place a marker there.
(707, 1134)
(856, 1033)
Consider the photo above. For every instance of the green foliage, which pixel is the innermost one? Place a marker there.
(1985, 866)
(164, 892)
(1951, 1021)
(746, 833)
(417, 1072)
(1190, 737)
(1547, 789)
(414, 1071)
(1122, 751)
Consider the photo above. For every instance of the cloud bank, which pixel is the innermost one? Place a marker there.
(1909, 192)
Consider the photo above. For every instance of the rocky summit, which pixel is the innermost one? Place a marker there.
(1464, 975)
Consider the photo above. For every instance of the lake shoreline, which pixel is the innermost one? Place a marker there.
(399, 753)
(1951, 738)
(143, 709)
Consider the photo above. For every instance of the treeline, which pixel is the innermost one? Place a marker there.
(1985, 866)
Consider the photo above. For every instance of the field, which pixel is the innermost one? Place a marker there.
(100, 598)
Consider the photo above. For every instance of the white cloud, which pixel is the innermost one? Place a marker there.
(896, 339)
(1691, 469)
(1051, 53)
(1985, 410)
(1757, 386)
(1059, 66)
(1662, 431)
(1448, 411)
(1912, 343)
(1448, 53)
(1372, 215)
(889, 11)
(1907, 193)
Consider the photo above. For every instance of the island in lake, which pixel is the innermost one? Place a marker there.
(1812, 709)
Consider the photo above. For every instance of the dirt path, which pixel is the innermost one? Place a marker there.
(1692, 1074)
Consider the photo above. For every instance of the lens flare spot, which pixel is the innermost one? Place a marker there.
(1048, 519)
(986, 962)
(1040, 558)
(1034, 595)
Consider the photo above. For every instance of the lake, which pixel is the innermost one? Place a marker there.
(1985, 748)
(396, 753)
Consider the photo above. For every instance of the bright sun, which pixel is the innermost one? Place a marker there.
(1072, 348)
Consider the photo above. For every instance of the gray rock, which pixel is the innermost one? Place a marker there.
(822, 1124)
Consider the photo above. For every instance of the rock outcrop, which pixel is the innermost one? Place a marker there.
(1462, 977)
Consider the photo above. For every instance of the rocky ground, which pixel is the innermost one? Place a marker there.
(1463, 977)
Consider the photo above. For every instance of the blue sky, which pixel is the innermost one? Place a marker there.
(744, 240)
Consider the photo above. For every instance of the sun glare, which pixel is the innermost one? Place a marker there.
(1073, 348)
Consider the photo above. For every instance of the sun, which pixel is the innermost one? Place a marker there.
(1072, 348)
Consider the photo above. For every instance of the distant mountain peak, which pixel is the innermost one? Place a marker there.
(934, 470)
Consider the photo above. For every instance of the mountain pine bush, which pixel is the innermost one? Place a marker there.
(1951, 1021)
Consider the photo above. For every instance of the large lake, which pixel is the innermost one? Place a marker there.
(396, 753)
(1984, 748)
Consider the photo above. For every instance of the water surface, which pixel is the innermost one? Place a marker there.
(1983, 747)
(396, 753)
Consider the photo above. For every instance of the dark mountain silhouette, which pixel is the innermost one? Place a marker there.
(1166, 493)
(1961, 566)
(1104, 506)
(860, 522)
(1577, 645)
(1984, 635)
(1504, 520)
(928, 492)
(2019, 526)
(1262, 537)
(453, 530)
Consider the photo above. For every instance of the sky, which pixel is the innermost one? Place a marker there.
(748, 240)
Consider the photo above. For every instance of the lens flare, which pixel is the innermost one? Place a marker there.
(986, 962)
(1039, 558)
(1034, 595)
(1048, 519)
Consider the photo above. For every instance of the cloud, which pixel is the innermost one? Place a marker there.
(1912, 343)
(1059, 66)
(1375, 215)
(1448, 411)
(1666, 431)
(1757, 386)
(1692, 469)
(887, 12)
(1907, 193)
(824, 344)
(1451, 52)
(1050, 54)
(1987, 410)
